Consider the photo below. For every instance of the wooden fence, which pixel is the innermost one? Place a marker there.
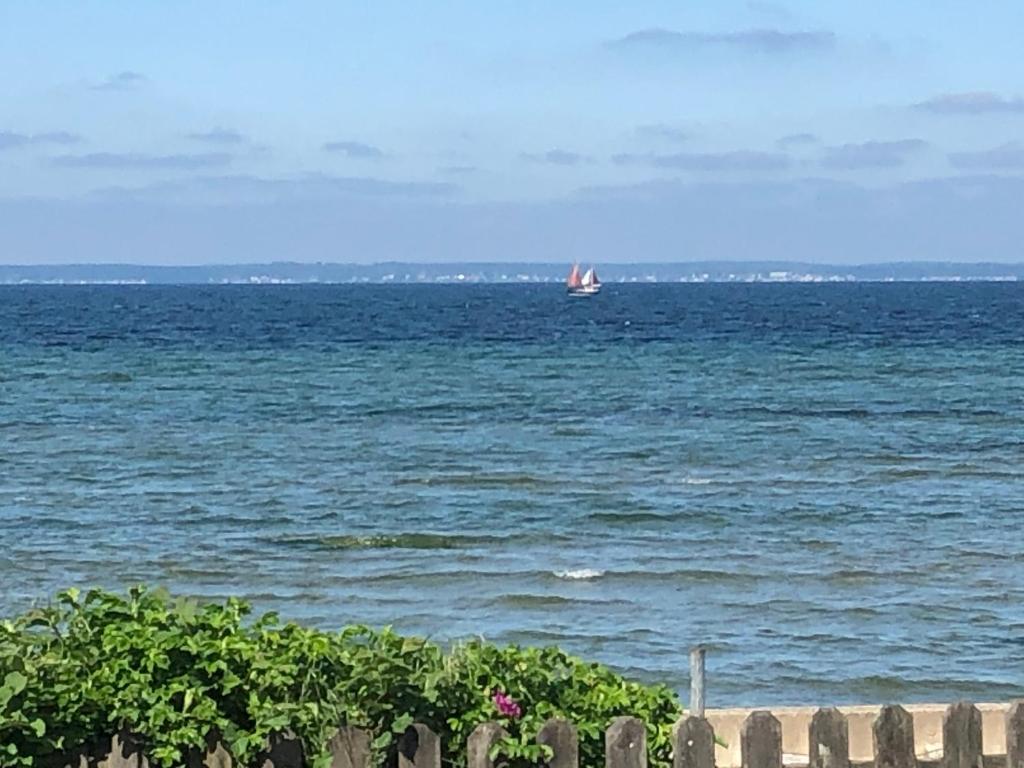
(626, 744)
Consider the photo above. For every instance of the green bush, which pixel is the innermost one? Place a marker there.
(173, 671)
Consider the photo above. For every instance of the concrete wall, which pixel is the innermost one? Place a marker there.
(796, 720)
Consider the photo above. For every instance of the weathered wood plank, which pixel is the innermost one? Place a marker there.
(350, 748)
(761, 741)
(218, 757)
(961, 736)
(697, 656)
(1015, 735)
(893, 737)
(693, 743)
(478, 746)
(625, 743)
(564, 741)
(283, 750)
(828, 739)
(419, 747)
(125, 752)
(214, 755)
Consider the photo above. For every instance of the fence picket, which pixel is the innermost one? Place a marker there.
(564, 741)
(761, 741)
(961, 736)
(283, 750)
(1015, 735)
(625, 743)
(893, 737)
(419, 747)
(125, 752)
(828, 739)
(350, 748)
(478, 746)
(214, 755)
(693, 744)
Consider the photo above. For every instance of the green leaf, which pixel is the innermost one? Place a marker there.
(15, 682)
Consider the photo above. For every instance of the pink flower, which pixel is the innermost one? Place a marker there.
(507, 706)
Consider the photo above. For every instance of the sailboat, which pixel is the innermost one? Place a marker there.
(587, 285)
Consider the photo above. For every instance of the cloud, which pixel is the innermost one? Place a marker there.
(122, 81)
(972, 103)
(132, 160)
(738, 160)
(244, 189)
(1009, 156)
(772, 41)
(871, 154)
(663, 132)
(12, 140)
(354, 149)
(217, 136)
(797, 140)
(556, 157)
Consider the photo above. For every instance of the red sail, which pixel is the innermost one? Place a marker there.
(574, 280)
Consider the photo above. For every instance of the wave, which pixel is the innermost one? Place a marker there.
(632, 517)
(688, 575)
(113, 377)
(579, 574)
(471, 480)
(822, 413)
(396, 541)
(532, 601)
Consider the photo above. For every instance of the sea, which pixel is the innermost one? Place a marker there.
(821, 484)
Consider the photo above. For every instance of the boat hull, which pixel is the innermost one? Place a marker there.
(591, 290)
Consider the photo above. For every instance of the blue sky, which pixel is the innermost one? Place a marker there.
(193, 132)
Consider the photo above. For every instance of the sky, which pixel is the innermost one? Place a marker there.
(230, 131)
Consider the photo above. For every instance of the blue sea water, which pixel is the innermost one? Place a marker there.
(822, 483)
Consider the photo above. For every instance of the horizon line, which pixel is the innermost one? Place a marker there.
(422, 264)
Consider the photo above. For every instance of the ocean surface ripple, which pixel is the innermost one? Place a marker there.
(821, 483)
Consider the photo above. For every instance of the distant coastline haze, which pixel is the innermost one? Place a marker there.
(505, 273)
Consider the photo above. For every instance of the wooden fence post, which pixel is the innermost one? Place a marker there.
(761, 741)
(419, 747)
(125, 752)
(625, 743)
(561, 736)
(478, 746)
(1015, 735)
(893, 737)
(350, 748)
(283, 750)
(961, 736)
(828, 740)
(693, 743)
(214, 755)
(697, 680)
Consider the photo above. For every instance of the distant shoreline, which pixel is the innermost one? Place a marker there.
(504, 273)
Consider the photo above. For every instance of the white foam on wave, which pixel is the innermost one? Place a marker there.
(696, 481)
(580, 574)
